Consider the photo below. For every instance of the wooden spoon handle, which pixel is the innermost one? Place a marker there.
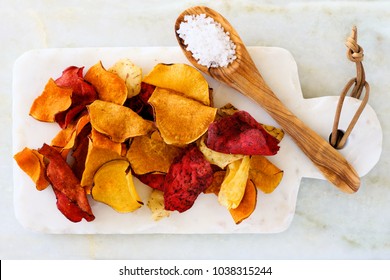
(243, 75)
(328, 160)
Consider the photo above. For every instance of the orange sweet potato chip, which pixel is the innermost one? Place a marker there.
(52, 101)
(247, 204)
(116, 121)
(109, 86)
(96, 157)
(181, 78)
(264, 174)
(102, 141)
(31, 162)
(180, 120)
(147, 154)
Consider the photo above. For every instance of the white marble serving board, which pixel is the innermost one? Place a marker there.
(274, 212)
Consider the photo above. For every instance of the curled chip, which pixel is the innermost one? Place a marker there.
(116, 121)
(217, 158)
(53, 100)
(189, 175)
(240, 133)
(31, 162)
(247, 204)
(233, 186)
(102, 141)
(147, 154)
(65, 138)
(114, 186)
(72, 200)
(80, 151)
(182, 78)
(109, 86)
(130, 73)
(83, 93)
(65, 118)
(264, 174)
(180, 120)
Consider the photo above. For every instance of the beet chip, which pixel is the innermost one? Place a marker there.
(189, 175)
(139, 103)
(83, 93)
(153, 180)
(71, 197)
(68, 208)
(240, 133)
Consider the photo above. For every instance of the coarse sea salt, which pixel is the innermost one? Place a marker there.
(208, 42)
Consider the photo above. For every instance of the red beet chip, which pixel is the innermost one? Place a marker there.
(240, 133)
(72, 200)
(83, 94)
(69, 208)
(153, 180)
(139, 103)
(189, 175)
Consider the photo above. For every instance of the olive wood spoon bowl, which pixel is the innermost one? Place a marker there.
(243, 76)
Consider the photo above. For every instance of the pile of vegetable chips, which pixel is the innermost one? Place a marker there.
(116, 125)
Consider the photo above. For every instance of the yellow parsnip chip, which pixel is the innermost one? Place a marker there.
(264, 174)
(54, 99)
(109, 86)
(130, 73)
(31, 162)
(233, 186)
(217, 158)
(114, 186)
(182, 78)
(180, 120)
(157, 206)
(116, 121)
(275, 132)
(148, 155)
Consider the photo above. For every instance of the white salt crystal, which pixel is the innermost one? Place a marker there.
(208, 42)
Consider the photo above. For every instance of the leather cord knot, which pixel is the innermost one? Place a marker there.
(338, 137)
(355, 52)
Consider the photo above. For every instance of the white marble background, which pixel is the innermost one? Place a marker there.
(327, 225)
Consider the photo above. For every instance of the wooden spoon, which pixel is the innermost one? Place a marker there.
(243, 76)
